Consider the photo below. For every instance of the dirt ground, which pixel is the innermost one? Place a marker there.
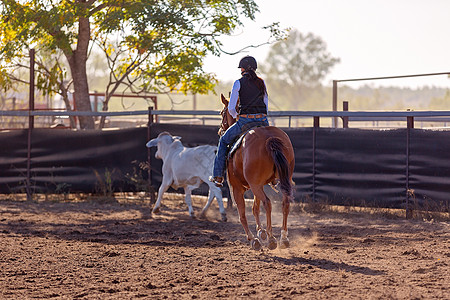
(117, 250)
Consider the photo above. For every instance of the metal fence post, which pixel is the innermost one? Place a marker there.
(409, 192)
(149, 156)
(334, 104)
(30, 126)
(316, 126)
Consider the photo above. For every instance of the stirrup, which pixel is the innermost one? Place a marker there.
(218, 181)
(274, 182)
(274, 185)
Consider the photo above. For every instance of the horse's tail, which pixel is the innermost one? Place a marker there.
(275, 148)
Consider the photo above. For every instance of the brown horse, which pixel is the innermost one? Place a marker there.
(266, 154)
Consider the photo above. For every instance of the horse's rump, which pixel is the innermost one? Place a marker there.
(265, 152)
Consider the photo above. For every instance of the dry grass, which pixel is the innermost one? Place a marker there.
(378, 212)
(308, 206)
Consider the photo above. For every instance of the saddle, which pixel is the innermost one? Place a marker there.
(245, 129)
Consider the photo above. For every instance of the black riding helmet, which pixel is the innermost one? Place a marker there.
(248, 63)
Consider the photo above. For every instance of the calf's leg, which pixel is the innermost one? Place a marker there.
(217, 193)
(162, 189)
(187, 199)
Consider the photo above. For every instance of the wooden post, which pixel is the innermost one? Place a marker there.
(410, 122)
(345, 119)
(316, 122)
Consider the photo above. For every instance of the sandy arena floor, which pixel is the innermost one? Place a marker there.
(92, 250)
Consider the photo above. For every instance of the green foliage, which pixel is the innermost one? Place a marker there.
(149, 45)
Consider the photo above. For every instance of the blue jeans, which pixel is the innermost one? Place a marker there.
(226, 139)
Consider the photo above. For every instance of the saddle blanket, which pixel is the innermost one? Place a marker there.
(246, 129)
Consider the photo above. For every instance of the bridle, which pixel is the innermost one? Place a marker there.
(224, 123)
(227, 120)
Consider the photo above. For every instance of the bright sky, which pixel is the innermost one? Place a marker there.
(373, 38)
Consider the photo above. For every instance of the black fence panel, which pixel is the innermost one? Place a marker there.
(341, 166)
(429, 168)
(194, 135)
(81, 161)
(361, 167)
(13, 160)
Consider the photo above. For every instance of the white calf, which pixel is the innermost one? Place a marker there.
(187, 168)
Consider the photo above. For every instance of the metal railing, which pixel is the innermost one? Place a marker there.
(357, 116)
(335, 85)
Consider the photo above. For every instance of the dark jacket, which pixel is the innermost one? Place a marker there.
(251, 99)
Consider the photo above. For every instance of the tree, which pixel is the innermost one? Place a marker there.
(293, 70)
(299, 60)
(150, 44)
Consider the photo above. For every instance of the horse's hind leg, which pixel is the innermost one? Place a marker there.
(284, 241)
(258, 191)
(261, 232)
(238, 197)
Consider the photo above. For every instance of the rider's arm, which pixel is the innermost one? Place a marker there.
(234, 98)
(266, 102)
(266, 99)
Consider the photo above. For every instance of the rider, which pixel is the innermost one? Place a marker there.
(253, 102)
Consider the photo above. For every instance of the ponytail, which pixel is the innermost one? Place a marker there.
(257, 80)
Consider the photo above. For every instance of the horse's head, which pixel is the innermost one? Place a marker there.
(227, 119)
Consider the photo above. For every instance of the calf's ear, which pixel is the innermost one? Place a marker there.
(152, 143)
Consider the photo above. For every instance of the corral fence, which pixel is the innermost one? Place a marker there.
(396, 168)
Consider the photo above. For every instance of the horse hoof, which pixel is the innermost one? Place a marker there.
(284, 244)
(156, 210)
(262, 234)
(224, 217)
(272, 243)
(256, 244)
